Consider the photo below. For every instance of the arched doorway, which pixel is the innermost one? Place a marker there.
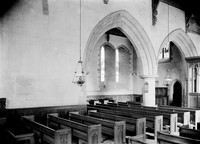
(177, 94)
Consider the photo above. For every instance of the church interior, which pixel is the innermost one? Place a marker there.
(99, 72)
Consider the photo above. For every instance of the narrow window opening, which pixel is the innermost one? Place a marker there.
(102, 64)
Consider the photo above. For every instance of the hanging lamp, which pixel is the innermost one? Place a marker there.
(79, 78)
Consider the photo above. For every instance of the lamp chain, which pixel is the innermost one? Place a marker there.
(80, 30)
(168, 23)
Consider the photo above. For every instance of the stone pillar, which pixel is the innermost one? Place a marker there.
(149, 90)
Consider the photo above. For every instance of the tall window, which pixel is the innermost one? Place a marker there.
(195, 78)
(165, 53)
(114, 67)
(117, 65)
(124, 67)
(102, 64)
(107, 65)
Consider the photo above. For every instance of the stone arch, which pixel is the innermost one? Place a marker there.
(123, 46)
(182, 41)
(109, 44)
(134, 32)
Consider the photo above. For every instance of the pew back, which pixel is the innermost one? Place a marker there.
(47, 134)
(112, 128)
(91, 133)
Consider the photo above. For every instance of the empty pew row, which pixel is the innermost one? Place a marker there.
(155, 123)
(91, 134)
(168, 119)
(183, 116)
(134, 126)
(45, 134)
(12, 136)
(194, 112)
(163, 137)
(112, 129)
(166, 116)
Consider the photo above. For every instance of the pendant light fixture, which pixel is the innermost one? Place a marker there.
(79, 78)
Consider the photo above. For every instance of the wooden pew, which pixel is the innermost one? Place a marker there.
(110, 128)
(152, 122)
(91, 134)
(194, 112)
(183, 116)
(11, 135)
(185, 131)
(168, 119)
(27, 138)
(46, 134)
(163, 137)
(134, 126)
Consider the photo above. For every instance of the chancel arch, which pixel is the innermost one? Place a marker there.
(131, 28)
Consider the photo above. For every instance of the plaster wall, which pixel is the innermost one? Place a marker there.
(39, 53)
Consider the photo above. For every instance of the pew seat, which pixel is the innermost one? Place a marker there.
(45, 134)
(14, 133)
(164, 137)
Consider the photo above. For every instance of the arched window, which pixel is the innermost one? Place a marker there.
(114, 67)
(165, 54)
(102, 63)
(124, 67)
(107, 65)
(117, 65)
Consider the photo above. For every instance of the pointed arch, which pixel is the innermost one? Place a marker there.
(182, 41)
(134, 32)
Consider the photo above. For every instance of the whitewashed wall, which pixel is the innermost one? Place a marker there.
(39, 53)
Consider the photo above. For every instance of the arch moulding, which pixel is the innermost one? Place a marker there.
(182, 41)
(134, 32)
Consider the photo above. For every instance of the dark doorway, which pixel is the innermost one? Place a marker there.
(177, 94)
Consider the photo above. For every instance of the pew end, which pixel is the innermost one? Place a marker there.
(3, 121)
(186, 118)
(94, 132)
(120, 132)
(141, 126)
(197, 118)
(63, 136)
(29, 117)
(158, 124)
(76, 112)
(91, 111)
(173, 123)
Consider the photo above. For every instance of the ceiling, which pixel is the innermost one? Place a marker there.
(189, 6)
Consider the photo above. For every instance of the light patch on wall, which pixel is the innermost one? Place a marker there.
(45, 7)
(24, 85)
